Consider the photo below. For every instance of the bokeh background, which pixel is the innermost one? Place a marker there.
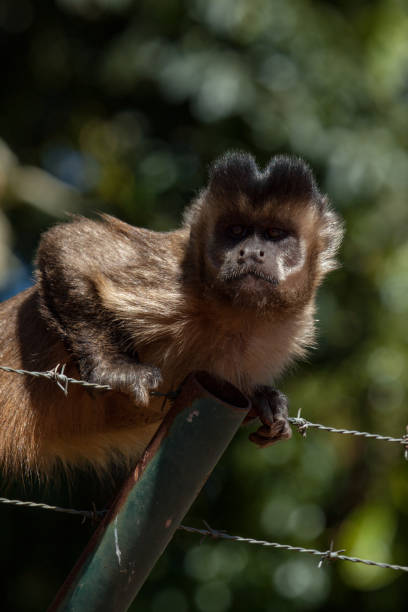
(119, 106)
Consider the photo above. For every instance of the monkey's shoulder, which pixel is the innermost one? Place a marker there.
(108, 246)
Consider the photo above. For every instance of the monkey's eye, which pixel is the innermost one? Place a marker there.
(237, 231)
(275, 233)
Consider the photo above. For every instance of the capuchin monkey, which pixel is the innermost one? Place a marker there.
(231, 292)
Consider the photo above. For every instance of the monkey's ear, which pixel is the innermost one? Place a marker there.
(234, 172)
(290, 179)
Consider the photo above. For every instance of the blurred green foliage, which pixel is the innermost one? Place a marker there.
(119, 106)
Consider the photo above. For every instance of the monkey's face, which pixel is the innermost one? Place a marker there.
(262, 239)
(259, 259)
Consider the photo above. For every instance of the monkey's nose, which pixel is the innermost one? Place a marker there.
(252, 255)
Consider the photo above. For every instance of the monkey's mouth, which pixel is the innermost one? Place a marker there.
(254, 273)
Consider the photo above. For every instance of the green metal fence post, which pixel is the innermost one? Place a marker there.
(155, 498)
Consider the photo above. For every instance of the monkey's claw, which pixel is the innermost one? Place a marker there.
(271, 406)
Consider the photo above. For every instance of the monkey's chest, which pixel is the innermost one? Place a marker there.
(246, 353)
(245, 359)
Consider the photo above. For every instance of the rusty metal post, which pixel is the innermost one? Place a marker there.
(155, 498)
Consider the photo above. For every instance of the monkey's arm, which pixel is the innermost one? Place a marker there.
(73, 261)
(271, 406)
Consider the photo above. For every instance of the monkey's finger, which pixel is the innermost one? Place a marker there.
(150, 377)
(141, 395)
(280, 427)
(265, 436)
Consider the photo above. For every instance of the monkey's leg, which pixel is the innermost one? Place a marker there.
(271, 406)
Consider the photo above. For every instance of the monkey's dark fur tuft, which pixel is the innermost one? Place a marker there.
(231, 292)
(285, 178)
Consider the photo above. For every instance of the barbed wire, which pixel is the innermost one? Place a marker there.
(303, 425)
(58, 376)
(92, 514)
(327, 555)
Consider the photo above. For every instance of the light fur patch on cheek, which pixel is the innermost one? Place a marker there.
(292, 265)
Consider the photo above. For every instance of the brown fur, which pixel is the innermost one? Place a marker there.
(111, 297)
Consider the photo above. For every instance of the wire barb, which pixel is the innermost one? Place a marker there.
(330, 555)
(301, 424)
(405, 437)
(60, 378)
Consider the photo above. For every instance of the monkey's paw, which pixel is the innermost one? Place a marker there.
(136, 380)
(147, 378)
(271, 406)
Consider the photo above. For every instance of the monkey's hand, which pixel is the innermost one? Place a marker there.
(134, 379)
(271, 406)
